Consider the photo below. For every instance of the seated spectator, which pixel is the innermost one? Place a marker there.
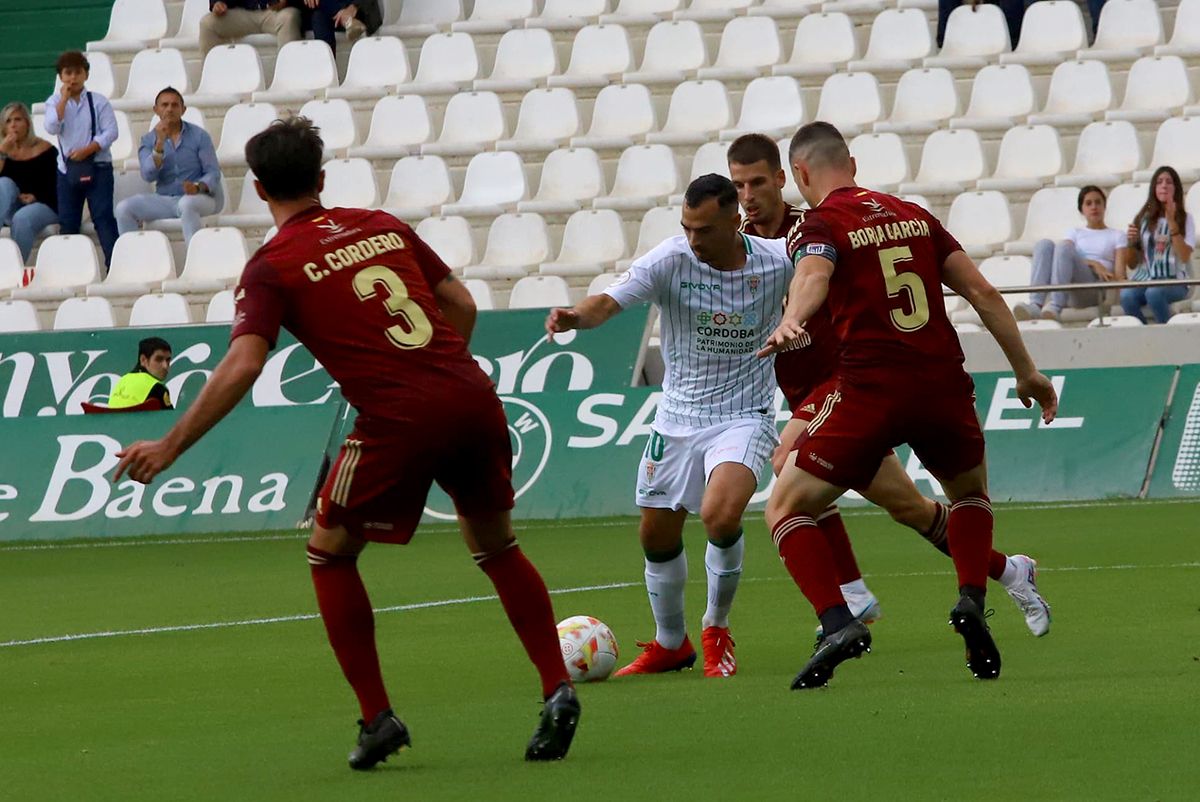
(230, 20)
(86, 128)
(1087, 255)
(357, 18)
(179, 158)
(28, 178)
(1161, 239)
(145, 381)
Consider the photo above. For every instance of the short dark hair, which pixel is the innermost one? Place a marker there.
(1083, 193)
(754, 148)
(820, 143)
(147, 348)
(168, 90)
(711, 186)
(286, 158)
(72, 59)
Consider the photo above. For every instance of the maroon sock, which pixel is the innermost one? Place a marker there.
(523, 594)
(997, 562)
(350, 625)
(969, 534)
(834, 531)
(806, 555)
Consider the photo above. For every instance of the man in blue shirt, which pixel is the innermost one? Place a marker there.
(180, 159)
(86, 128)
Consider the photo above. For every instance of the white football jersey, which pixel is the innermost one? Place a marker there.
(712, 324)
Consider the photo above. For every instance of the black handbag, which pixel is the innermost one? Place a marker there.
(81, 173)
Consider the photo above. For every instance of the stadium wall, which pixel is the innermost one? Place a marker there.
(34, 33)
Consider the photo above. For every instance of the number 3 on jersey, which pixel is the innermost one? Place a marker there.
(899, 283)
(414, 329)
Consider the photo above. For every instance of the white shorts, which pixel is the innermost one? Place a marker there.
(679, 459)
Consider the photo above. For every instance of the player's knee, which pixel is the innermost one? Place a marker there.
(721, 521)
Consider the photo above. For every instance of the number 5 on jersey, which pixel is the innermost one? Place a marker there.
(899, 283)
(414, 329)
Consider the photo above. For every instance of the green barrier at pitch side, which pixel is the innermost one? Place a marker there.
(1177, 470)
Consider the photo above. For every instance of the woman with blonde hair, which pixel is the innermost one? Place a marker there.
(28, 178)
(1161, 239)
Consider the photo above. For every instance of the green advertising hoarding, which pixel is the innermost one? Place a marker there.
(1177, 469)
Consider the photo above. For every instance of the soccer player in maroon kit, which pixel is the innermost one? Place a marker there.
(877, 261)
(377, 307)
(806, 375)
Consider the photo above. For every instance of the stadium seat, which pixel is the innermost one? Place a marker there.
(495, 16)
(1038, 325)
(771, 105)
(400, 125)
(823, 44)
(791, 192)
(75, 314)
(516, 244)
(1124, 202)
(925, 100)
(125, 147)
(242, 122)
(1192, 200)
(851, 101)
(350, 183)
(749, 47)
(602, 282)
(141, 261)
(481, 293)
(18, 316)
(571, 178)
(270, 235)
(448, 64)
(698, 110)
(450, 238)
(968, 328)
(251, 210)
(192, 115)
(1180, 319)
(133, 25)
(66, 263)
(1050, 214)
(1157, 88)
(231, 75)
(472, 122)
(220, 308)
(786, 9)
(642, 12)
(975, 36)
(1008, 271)
(1001, 96)
(12, 267)
(1080, 92)
(425, 17)
(882, 161)
(674, 50)
(494, 183)
(1107, 153)
(1051, 31)
(981, 221)
(1177, 144)
(335, 118)
(646, 176)
(1128, 29)
(1030, 157)
(419, 185)
(150, 71)
(658, 224)
(600, 54)
(568, 15)
(377, 64)
(187, 35)
(304, 69)
(535, 292)
(711, 157)
(1119, 322)
(899, 40)
(1185, 39)
(713, 10)
(547, 119)
(592, 241)
(214, 262)
(621, 116)
(160, 309)
(951, 161)
(525, 57)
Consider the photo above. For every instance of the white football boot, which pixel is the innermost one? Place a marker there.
(862, 603)
(1022, 586)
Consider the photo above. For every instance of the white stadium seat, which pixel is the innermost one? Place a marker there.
(12, 267)
(1051, 213)
(220, 308)
(447, 64)
(698, 110)
(231, 75)
(516, 244)
(303, 70)
(713, 10)
(642, 12)
(473, 121)
(377, 63)
(525, 57)
(494, 183)
(1051, 30)
(1038, 325)
(160, 309)
(749, 47)
(251, 210)
(900, 40)
(141, 261)
(850, 101)
(925, 101)
(1107, 153)
(602, 282)
(495, 16)
(124, 148)
(150, 71)
(547, 119)
(646, 176)
(1080, 91)
(1177, 144)
(882, 161)
(66, 263)
(426, 17)
(600, 53)
(481, 293)
(535, 292)
(975, 36)
(450, 238)
(18, 316)
(1119, 322)
(350, 183)
(1001, 95)
(981, 221)
(1030, 157)
(1157, 88)
(571, 177)
(335, 118)
(823, 43)
(1124, 202)
(215, 258)
(242, 122)
(1008, 271)
(76, 314)
(1128, 29)
(658, 224)
(568, 15)
(1180, 319)
(711, 157)
(187, 35)
(622, 115)
(419, 185)
(771, 105)
(674, 48)
(400, 125)
(951, 160)
(1185, 39)
(786, 9)
(133, 25)
(593, 240)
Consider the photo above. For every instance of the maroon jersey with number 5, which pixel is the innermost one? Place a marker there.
(356, 288)
(885, 295)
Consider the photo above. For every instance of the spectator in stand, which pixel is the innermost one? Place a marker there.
(1161, 239)
(229, 20)
(357, 18)
(1088, 254)
(86, 128)
(144, 384)
(180, 159)
(28, 178)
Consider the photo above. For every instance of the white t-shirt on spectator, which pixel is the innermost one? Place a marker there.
(1097, 244)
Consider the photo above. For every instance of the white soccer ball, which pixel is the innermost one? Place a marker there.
(588, 648)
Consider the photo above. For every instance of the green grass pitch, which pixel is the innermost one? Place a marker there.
(1104, 707)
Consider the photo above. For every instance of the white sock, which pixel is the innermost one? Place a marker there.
(1010, 574)
(724, 569)
(858, 587)
(664, 584)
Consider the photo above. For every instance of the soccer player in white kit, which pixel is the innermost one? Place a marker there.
(719, 294)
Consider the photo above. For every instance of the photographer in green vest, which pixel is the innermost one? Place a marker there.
(145, 382)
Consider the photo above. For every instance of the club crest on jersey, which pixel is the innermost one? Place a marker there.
(753, 282)
(650, 468)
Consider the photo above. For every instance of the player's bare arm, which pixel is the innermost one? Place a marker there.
(589, 313)
(457, 306)
(231, 380)
(806, 294)
(961, 275)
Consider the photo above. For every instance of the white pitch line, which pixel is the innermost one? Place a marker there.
(284, 619)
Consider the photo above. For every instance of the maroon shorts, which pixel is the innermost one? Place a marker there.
(860, 422)
(378, 485)
(814, 401)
